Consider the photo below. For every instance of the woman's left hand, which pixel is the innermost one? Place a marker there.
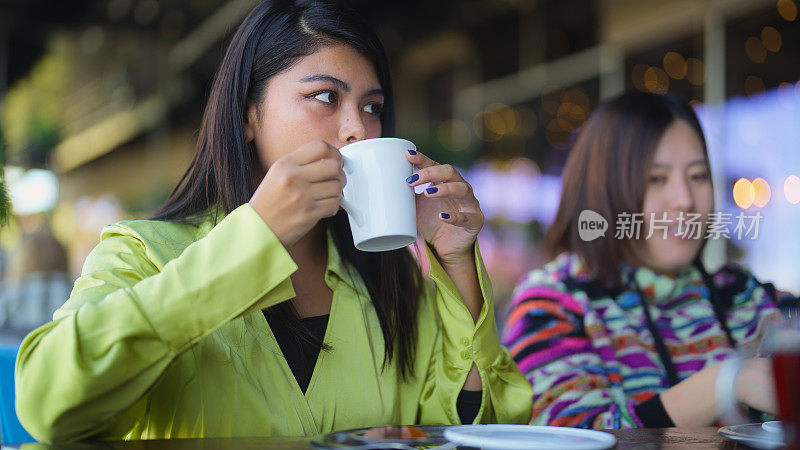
(448, 214)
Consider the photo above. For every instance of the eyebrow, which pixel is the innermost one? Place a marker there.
(338, 83)
(657, 165)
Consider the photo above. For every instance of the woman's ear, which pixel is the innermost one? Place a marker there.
(251, 122)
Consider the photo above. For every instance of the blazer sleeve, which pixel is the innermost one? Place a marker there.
(506, 396)
(126, 320)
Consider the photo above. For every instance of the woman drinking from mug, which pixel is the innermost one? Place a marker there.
(620, 333)
(242, 308)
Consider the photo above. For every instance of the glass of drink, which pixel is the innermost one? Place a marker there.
(783, 342)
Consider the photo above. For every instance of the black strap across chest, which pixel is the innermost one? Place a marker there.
(720, 301)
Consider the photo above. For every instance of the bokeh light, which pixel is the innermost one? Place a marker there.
(656, 80)
(791, 189)
(695, 71)
(761, 192)
(570, 116)
(454, 135)
(743, 193)
(771, 39)
(525, 167)
(563, 111)
(787, 9)
(577, 96)
(675, 65)
(755, 50)
(496, 121)
(501, 119)
(33, 191)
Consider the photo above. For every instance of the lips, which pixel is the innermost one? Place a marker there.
(683, 233)
(676, 230)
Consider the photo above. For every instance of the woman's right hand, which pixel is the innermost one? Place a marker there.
(692, 402)
(299, 189)
(755, 385)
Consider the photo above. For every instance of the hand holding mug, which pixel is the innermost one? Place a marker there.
(299, 189)
(448, 214)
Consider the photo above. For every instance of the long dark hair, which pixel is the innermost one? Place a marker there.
(606, 172)
(226, 170)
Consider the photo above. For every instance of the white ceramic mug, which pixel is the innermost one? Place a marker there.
(378, 201)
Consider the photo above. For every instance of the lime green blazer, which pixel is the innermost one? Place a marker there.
(163, 337)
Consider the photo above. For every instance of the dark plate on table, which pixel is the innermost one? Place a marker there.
(401, 437)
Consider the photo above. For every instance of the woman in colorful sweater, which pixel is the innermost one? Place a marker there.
(243, 308)
(623, 330)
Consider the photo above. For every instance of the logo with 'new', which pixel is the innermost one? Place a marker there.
(591, 225)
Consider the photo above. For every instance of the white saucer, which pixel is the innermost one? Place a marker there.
(521, 437)
(773, 426)
(753, 435)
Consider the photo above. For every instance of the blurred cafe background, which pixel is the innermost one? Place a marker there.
(101, 100)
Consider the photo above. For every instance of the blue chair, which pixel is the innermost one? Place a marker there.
(11, 432)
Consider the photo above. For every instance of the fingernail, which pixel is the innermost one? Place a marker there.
(432, 190)
(412, 152)
(412, 178)
(444, 215)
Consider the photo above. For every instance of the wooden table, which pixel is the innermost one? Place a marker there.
(651, 438)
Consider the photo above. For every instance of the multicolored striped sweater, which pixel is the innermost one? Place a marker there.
(590, 355)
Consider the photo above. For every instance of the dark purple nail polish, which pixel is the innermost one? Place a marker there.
(444, 215)
(432, 190)
(412, 178)
(412, 152)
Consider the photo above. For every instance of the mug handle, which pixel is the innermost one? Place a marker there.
(348, 206)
